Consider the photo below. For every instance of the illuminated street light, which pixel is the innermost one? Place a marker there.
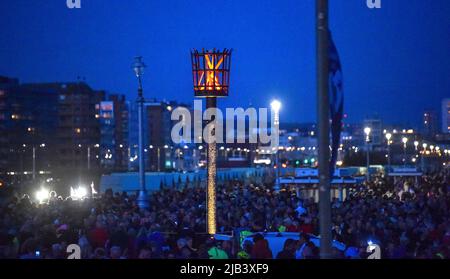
(138, 67)
(367, 131)
(388, 140)
(388, 137)
(422, 158)
(404, 140)
(276, 106)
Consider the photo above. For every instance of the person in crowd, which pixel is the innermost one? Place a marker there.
(408, 219)
(261, 249)
(288, 251)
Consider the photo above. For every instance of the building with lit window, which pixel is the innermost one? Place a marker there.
(28, 120)
(114, 119)
(160, 152)
(78, 129)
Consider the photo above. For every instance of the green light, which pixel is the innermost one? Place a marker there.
(306, 161)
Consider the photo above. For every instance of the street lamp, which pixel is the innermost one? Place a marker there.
(422, 158)
(211, 79)
(416, 148)
(138, 67)
(367, 131)
(404, 140)
(388, 139)
(276, 106)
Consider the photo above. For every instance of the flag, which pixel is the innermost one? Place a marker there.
(335, 86)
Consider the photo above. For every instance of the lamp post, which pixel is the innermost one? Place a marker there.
(404, 140)
(388, 140)
(211, 78)
(138, 67)
(276, 106)
(416, 148)
(34, 162)
(367, 131)
(422, 158)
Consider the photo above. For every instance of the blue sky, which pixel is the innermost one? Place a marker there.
(396, 60)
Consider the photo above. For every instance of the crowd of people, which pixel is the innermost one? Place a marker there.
(407, 219)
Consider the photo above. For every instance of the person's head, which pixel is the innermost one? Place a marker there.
(226, 245)
(289, 244)
(99, 253)
(57, 250)
(308, 251)
(181, 243)
(189, 241)
(145, 253)
(210, 242)
(29, 246)
(115, 252)
(247, 246)
(303, 238)
(99, 224)
(258, 237)
(186, 253)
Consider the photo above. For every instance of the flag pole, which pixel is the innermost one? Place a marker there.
(323, 127)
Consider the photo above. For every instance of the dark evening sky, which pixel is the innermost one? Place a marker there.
(396, 60)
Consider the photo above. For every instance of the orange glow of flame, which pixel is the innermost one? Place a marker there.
(211, 79)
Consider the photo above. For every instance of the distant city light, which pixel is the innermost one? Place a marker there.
(275, 105)
(388, 136)
(404, 140)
